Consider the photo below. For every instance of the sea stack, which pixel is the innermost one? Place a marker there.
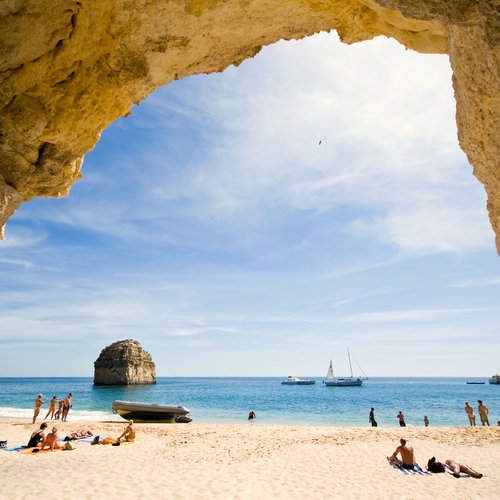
(124, 363)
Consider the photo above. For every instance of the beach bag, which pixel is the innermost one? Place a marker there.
(69, 445)
(3, 444)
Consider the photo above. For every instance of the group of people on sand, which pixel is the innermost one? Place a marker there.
(54, 412)
(407, 461)
(40, 441)
(483, 411)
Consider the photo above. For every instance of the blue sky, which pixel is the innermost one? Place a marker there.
(213, 226)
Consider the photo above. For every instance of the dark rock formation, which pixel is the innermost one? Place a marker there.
(124, 363)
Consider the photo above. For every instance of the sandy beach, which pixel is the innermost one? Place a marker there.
(249, 460)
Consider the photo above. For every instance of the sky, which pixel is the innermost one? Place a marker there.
(257, 222)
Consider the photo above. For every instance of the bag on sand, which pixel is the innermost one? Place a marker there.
(3, 444)
(69, 445)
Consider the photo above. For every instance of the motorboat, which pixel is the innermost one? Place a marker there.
(150, 412)
(332, 381)
(475, 383)
(297, 381)
(495, 380)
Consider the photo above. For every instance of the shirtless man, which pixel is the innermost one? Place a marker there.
(128, 435)
(483, 413)
(407, 456)
(66, 407)
(38, 406)
(401, 419)
(51, 440)
(470, 414)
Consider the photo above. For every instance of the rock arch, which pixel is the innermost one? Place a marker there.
(69, 68)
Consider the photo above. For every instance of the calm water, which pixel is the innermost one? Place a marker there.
(230, 399)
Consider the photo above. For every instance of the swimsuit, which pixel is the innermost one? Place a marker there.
(408, 466)
(35, 440)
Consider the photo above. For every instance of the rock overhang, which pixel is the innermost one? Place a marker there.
(69, 68)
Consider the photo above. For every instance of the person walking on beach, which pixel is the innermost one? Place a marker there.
(66, 407)
(483, 413)
(38, 406)
(426, 421)
(401, 419)
(52, 408)
(470, 413)
(407, 455)
(251, 415)
(371, 418)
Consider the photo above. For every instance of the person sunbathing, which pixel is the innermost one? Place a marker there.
(78, 434)
(434, 465)
(128, 435)
(407, 456)
(38, 437)
(51, 440)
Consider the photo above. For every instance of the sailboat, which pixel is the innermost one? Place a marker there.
(332, 381)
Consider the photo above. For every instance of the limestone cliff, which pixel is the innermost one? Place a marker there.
(124, 363)
(68, 68)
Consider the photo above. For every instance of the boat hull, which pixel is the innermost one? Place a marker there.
(298, 382)
(344, 382)
(149, 412)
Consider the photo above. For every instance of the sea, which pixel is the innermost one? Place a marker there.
(229, 399)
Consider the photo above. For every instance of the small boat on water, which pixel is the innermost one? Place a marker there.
(332, 381)
(495, 380)
(151, 412)
(475, 383)
(297, 381)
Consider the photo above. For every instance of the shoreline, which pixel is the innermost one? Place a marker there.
(251, 460)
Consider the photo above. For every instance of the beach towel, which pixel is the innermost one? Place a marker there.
(36, 451)
(462, 474)
(86, 439)
(417, 470)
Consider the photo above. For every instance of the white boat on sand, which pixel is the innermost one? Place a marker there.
(332, 381)
(150, 412)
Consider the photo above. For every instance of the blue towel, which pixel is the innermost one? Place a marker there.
(417, 470)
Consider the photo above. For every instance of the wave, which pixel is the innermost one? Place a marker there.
(7, 412)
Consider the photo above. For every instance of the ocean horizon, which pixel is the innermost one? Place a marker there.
(229, 399)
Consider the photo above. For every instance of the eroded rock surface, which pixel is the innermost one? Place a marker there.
(69, 68)
(124, 363)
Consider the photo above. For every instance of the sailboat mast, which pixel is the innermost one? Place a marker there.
(349, 356)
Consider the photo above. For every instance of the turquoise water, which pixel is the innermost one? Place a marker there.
(228, 400)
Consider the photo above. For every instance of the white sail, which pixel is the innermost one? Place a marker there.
(329, 373)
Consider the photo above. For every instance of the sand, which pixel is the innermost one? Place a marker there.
(249, 461)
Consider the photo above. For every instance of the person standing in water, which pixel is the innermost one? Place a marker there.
(66, 407)
(426, 421)
(52, 408)
(401, 419)
(38, 406)
(483, 413)
(470, 413)
(371, 418)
